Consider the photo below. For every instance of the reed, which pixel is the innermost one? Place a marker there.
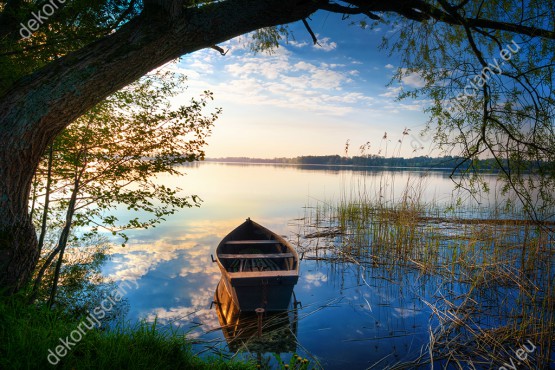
(475, 255)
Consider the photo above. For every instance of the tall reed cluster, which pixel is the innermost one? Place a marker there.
(492, 270)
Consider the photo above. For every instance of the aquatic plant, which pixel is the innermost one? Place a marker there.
(492, 267)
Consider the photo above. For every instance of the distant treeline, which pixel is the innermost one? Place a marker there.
(446, 162)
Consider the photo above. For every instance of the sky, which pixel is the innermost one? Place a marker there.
(308, 99)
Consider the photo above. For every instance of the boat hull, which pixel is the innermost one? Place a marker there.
(259, 268)
(273, 293)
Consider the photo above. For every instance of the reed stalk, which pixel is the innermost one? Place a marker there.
(489, 253)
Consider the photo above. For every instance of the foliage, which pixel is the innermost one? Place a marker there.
(267, 39)
(73, 25)
(28, 332)
(448, 162)
(82, 285)
(491, 92)
(295, 363)
(118, 148)
(109, 158)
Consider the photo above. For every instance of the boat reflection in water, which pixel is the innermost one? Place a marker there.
(262, 331)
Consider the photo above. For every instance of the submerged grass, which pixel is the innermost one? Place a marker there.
(493, 271)
(29, 332)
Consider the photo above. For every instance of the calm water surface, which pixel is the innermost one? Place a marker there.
(349, 316)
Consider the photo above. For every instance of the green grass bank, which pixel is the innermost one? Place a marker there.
(31, 335)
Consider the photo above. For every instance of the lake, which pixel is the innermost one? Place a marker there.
(350, 315)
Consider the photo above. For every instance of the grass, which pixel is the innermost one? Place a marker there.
(491, 271)
(29, 332)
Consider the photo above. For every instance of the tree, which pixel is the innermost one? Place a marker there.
(83, 52)
(111, 156)
(495, 101)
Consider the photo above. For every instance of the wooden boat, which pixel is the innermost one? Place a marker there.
(259, 268)
(273, 332)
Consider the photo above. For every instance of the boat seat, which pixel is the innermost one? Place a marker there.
(255, 255)
(252, 262)
(244, 242)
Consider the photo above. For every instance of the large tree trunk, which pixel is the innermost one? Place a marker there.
(40, 106)
(18, 242)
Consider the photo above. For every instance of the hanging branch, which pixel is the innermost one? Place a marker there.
(307, 26)
(219, 50)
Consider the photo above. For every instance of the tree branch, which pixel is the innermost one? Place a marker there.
(307, 26)
(484, 23)
(219, 50)
(340, 9)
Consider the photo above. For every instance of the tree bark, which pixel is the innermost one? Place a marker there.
(38, 107)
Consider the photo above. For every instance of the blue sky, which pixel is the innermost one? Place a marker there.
(307, 99)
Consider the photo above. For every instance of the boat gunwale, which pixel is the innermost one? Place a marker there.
(278, 238)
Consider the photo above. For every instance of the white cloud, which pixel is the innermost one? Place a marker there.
(326, 79)
(282, 81)
(285, 82)
(416, 106)
(297, 44)
(349, 98)
(325, 44)
(405, 313)
(413, 79)
(315, 279)
(392, 92)
(237, 44)
(304, 66)
(139, 258)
